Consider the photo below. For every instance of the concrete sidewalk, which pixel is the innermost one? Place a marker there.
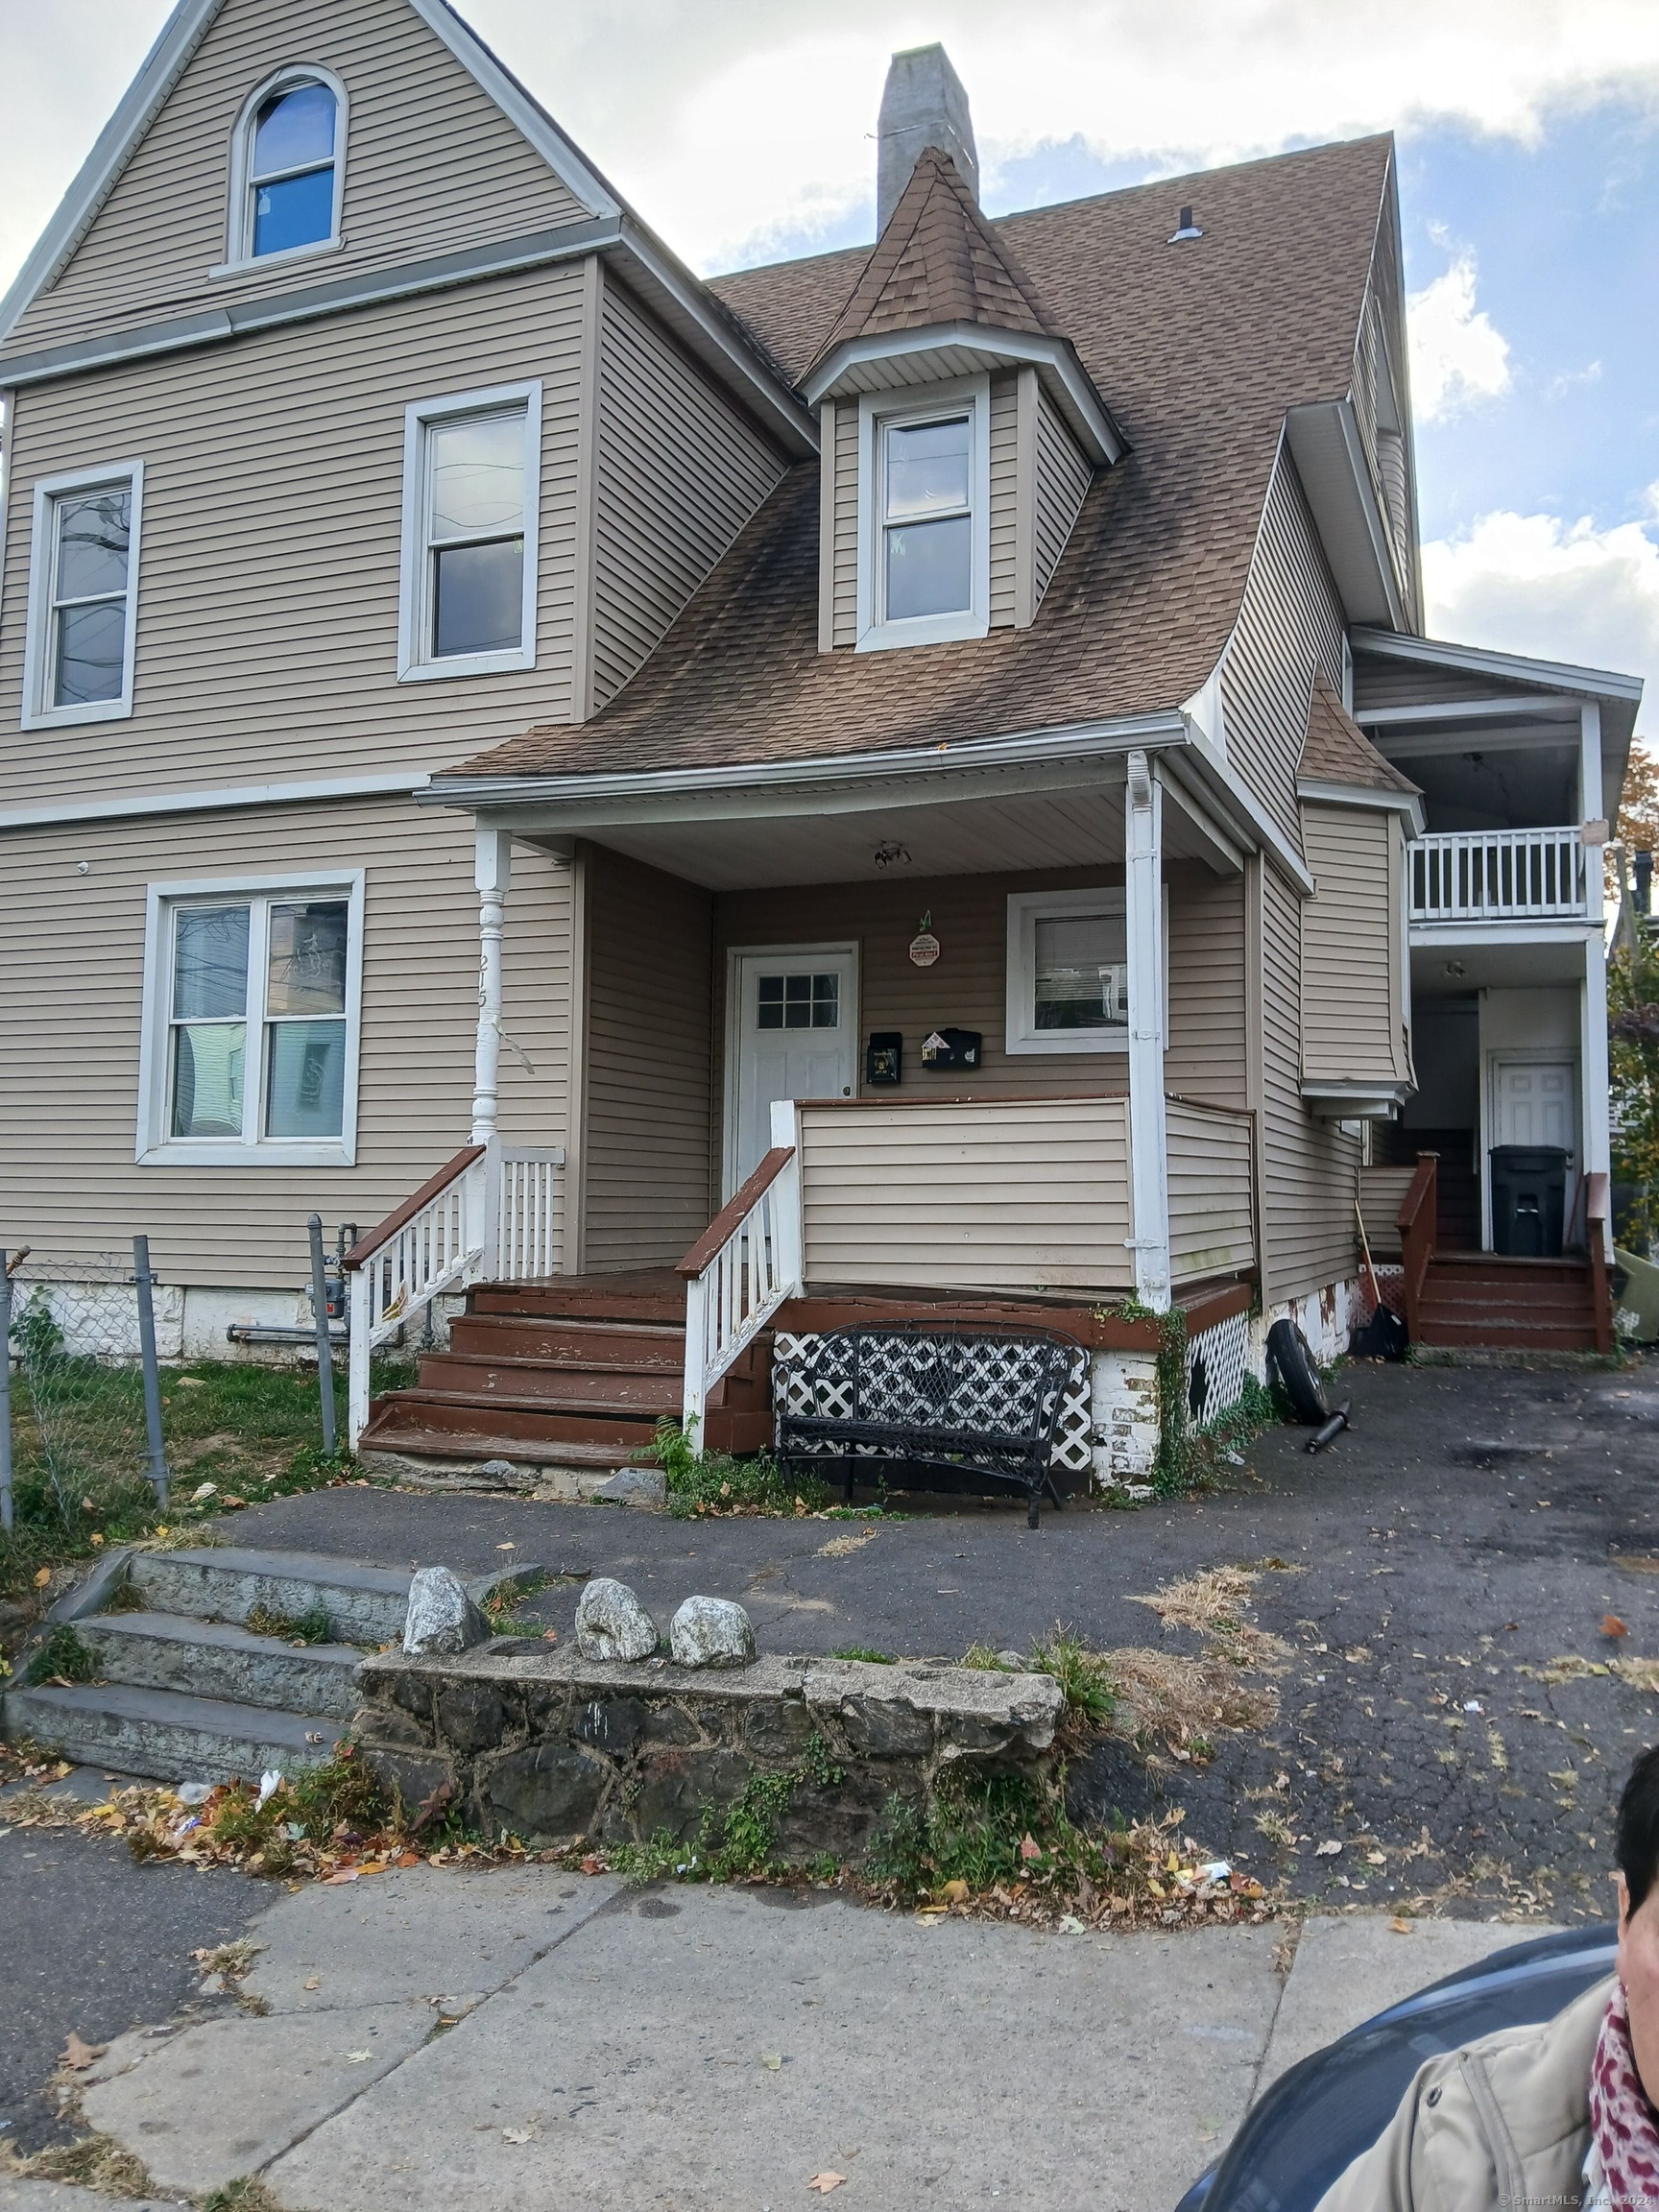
(522, 2040)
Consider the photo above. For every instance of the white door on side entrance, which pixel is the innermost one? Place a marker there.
(1537, 1103)
(795, 1036)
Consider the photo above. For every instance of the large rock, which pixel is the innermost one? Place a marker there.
(611, 1624)
(442, 1618)
(710, 1632)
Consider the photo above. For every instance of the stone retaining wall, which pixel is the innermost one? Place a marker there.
(553, 1747)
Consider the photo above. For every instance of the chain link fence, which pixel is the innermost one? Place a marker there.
(84, 1426)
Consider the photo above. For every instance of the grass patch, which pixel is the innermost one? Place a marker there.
(869, 1657)
(246, 2194)
(736, 1842)
(94, 2162)
(236, 1433)
(715, 1482)
(63, 1657)
(312, 1627)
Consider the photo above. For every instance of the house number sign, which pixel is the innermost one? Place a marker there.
(925, 947)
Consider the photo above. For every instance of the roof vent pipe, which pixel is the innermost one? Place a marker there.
(923, 104)
(1185, 227)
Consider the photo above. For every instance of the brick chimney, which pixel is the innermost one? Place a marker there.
(923, 104)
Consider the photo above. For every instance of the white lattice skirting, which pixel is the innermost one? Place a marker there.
(1074, 1436)
(1217, 1361)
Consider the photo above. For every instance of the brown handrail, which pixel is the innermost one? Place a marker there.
(726, 1221)
(366, 1248)
(1416, 1224)
(1596, 1194)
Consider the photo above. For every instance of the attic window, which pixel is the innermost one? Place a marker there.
(924, 496)
(287, 168)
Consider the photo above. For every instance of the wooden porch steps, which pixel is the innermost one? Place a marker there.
(573, 1373)
(1481, 1298)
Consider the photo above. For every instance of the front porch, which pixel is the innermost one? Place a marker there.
(811, 1075)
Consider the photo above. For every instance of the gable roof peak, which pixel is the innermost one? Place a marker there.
(938, 261)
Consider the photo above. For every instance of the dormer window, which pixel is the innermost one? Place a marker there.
(287, 167)
(924, 508)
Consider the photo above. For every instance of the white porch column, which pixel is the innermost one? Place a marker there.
(1143, 907)
(1592, 1058)
(492, 870)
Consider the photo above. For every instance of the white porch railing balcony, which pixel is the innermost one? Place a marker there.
(1500, 875)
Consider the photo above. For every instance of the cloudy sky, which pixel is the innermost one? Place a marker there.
(1529, 166)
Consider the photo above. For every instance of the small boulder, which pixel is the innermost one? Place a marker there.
(634, 1486)
(441, 1618)
(710, 1632)
(611, 1624)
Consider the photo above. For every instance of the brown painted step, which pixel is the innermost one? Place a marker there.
(474, 1447)
(1496, 1267)
(556, 1384)
(657, 1295)
(590, 1343)
(1510, 1336)
(518, 1421)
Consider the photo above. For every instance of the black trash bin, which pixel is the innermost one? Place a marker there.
(1529, 1201)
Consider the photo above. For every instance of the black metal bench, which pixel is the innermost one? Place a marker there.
(929, 1405)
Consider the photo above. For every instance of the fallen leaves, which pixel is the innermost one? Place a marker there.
(843, 1547)
(1613, 1627)
(826, 2181)
(1328, 1849)
(773, 2061)
(1400, 1925)
(78, 2055)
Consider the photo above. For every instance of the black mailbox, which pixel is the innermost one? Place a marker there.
(953, 1049)
(884, 1057)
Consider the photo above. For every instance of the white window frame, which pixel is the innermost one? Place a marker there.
(156, 1148)
(1025, 909)
(38, 711)
(239, 254)
(877, 412)
(415, 666)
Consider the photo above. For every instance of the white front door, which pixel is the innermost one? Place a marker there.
(795, 1034)
(1537, 1103)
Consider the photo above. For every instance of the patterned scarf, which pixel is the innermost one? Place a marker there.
(1623, 2128)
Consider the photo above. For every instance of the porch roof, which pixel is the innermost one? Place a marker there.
(1203, 348)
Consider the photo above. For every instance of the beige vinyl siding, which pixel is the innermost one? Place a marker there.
(432, 165)
(1352, 947)
(965, 990)
(648, 1139)
(1381, 1194)
(1017, 1196)
(680, 472)
(1380, 682)
(1211, 1220)
(1289, 630)
(71, 1005)
(1004, 501)
(1307, 1168)
(1204, 1057)
(1063, 479)
(269, 571)
(845, 586)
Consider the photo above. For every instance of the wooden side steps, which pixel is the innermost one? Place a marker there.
(571, 1373)
(1481, 1298)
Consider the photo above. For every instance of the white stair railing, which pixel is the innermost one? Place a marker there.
(493, 1213)
(1498, 875)
(743, 1267)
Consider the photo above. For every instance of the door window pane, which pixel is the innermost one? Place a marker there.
(208, 1058)
(294, 211)
(307, 958)
(1082, 972)
(478, 598)
(210, 963)
(305, 1083)
(798, 1003)
(930, 568)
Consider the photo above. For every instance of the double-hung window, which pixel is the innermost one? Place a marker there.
(924, 515)
(471, 486)
(287, 169)
(82, 597)
(251, 1033)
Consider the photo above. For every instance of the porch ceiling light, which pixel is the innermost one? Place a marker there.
(1454, 969)
(892, 855)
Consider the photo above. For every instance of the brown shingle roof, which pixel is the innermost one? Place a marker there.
(1337, 750)
(1202, 348)
(938, 261)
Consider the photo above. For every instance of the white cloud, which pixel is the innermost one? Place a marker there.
(1561, 591)
(1459, 355)
(732, 124)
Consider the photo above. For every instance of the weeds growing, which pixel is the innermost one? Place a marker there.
(714, 1482)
